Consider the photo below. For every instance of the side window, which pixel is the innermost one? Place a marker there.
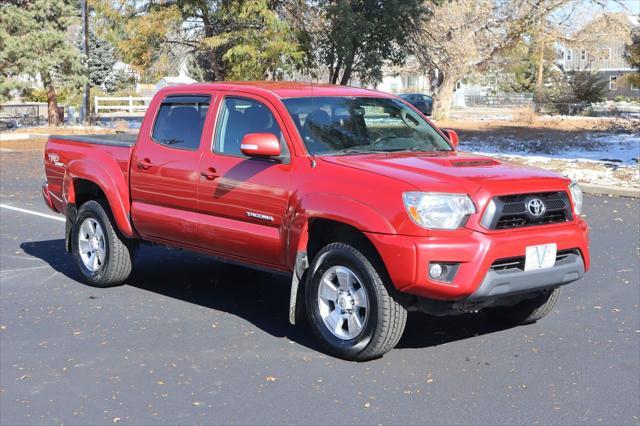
(239, 117)
(180, 121)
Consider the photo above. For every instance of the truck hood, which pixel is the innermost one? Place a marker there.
(454, 172)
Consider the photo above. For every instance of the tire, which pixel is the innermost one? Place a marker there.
(528, 311)
(367, 332)
(93, 230)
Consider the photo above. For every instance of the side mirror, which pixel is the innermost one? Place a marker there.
(260, 145)
(452, 135)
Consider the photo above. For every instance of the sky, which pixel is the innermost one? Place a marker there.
(577, 13)
(628, 6)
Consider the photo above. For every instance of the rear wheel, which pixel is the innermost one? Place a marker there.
(349, 305)
(527, 311)
(102, 254)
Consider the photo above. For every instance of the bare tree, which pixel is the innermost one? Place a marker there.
(463, 36)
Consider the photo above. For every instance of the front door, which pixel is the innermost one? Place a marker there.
(164, 171)
(243, 200)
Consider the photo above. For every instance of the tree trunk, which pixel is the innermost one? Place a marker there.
(52, 101)
(540, 70)
(443, 98)
(333, 78)
(540, 39)
(348, 68)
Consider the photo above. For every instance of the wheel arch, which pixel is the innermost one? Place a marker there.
(89, 180)
(318, 232)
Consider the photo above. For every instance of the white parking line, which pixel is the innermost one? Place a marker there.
(18, 209)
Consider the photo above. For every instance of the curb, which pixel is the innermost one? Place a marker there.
(609, 190)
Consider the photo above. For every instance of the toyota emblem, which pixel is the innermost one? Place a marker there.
(536, 207)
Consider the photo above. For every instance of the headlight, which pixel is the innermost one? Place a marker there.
(576, 196)
(438, 211)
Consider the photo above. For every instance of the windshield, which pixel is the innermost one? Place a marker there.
(352, 125)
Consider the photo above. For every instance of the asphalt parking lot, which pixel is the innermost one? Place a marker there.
(192, 340)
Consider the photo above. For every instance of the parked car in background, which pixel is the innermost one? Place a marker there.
(368, 205)
(424, 103)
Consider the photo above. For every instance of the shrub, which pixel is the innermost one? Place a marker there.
(586, 86)
(64, 95)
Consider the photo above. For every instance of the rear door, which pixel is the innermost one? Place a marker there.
(164, 170)
(244, 200)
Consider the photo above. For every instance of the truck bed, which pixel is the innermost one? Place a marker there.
(96, 152)
(121, 139)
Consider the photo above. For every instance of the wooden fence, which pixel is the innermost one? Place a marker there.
(126, 104)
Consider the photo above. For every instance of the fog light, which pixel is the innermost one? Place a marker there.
(437, 271)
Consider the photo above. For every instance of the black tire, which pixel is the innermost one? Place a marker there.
(527, 311)
(386, 317)
(117, 264)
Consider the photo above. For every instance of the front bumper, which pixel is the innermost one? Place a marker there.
(498, 283)
(407, 260)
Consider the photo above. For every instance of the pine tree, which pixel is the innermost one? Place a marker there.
(34, 43)
(259, 45)
(101, 58)
(632, 55)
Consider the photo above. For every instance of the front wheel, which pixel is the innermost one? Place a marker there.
(102, 254)
(527, 311)
(349, 306)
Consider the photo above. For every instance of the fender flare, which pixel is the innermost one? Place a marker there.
(324, 206)
(109, 178)
(334, 207)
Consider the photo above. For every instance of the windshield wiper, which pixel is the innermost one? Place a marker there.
(414, 149)
(353, 151)
(170, 141)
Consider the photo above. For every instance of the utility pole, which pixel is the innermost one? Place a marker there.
(85, 111)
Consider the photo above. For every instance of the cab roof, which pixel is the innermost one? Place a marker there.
(281, 89)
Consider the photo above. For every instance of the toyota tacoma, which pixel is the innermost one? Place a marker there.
(366, 203)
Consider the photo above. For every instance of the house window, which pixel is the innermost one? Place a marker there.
(568, 54)
(634, 87)
(583, 55)
(613, 83)
(604, 54)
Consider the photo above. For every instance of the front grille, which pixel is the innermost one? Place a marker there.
(512, 211)
(518, 262)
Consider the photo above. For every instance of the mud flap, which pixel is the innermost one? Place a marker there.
(72, 212)
(302, 263)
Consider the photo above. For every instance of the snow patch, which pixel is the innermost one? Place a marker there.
(622, 148)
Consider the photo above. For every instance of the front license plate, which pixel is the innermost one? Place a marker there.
(540, 257)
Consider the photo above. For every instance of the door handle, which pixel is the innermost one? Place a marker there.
(209, 174)
(144, 164)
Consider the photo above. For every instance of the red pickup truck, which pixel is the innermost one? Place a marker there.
(360, 197)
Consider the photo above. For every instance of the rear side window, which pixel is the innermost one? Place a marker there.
(180, 121)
